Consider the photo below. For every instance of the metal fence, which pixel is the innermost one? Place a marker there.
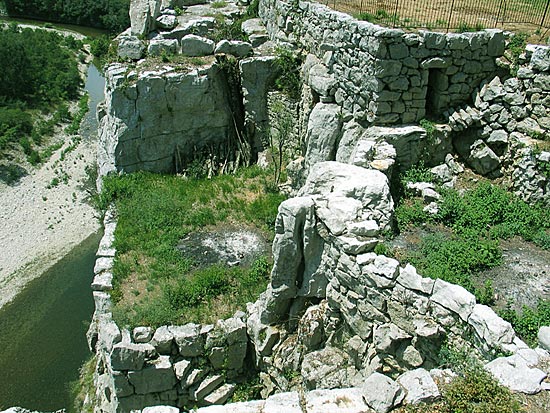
(461, 15)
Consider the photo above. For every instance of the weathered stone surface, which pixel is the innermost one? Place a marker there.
(540, 57)
(348, 400)
(323, 130)
(103, 282)
(162, 340)
(514, 373)
(321, 81)
(142, 334)
(158, 46)
(157, 376)
(283, 402)
(161, 409)
(368, 186)
(382, 393)
(182, 369)
(234, 47)
(193, 45)
(167, 21)
(491, 328)
(108, 333)
(103, 264)
(482, 158)
(544, 337)
(130, 356)
(143, 14)
(419, 386)
(324, 368)
(206, 387)
(221, 394)
(454, 298)
(241, 407)
(188, 339)
(409, 278)
(388, 336)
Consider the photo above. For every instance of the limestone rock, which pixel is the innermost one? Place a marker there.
(193, 45)
(370, 187)
(157, 376)
(221, 394)
(321, 81)
(130, 356)
(324, 368)
(544, 337)
(240, 407)
(188, 339)
(160, 409)
(158, 46)
(234, 47)
(409, 278)
(514, 373)
(206, 387)
(482, 158)
(167, 21)
(143, 14)
(419, 386)
(454, 298)
(323, 130)
(388, 336)
(256, 31)
(491, 328)
(103, 282)
(142, 334)
(162, 340)
(382, 393)
(283, 402)
(348, 400)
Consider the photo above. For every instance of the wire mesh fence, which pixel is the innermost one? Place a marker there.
(448, 15)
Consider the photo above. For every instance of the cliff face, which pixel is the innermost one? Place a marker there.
(161, 120)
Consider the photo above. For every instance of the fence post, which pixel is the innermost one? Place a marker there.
(498, 14)
(545, 11)
(395, 12)
(361, 7)
(451, 15)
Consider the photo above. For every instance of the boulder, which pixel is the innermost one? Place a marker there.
(453, 297)
(409, 278)
(382, 393)
(323, 132)
(544, 337)
(482, 158)
(324, 368)
(321, 81)
(188, 339)
(193, 45)
(130, 356)
(158, 46)
(167, 21)
(157, 376)
(490, 328)
(143, 14)
(206, 387)
(162, 340)
(142, 334)
(514, 372)
(256, 31)
(419, 386)
(234, 47)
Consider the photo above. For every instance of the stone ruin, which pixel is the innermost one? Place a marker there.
(339, 328)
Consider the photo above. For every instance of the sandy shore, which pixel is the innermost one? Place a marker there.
(40, 222)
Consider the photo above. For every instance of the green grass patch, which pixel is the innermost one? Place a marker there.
(154, 213)
(463, 238)
(528, 322)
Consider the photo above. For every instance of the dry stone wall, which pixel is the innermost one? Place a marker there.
(380, 75)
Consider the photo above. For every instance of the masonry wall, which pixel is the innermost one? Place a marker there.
(381, 75)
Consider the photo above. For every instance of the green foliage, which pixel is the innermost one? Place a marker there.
(84, 387)
(528, 322)
(14, 122)
(455, 259)
(288, 80)
(155, 212)
(218, 4)
(252, 9)
(37, 68)
(74, 127)
(112, 15)
(99, 46)
(380, 16)
(464, 27)
(429, 127)
(247, 391)
(411, 213)
(515, 47)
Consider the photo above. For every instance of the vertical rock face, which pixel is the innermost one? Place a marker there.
(160, 120)
(143, 14)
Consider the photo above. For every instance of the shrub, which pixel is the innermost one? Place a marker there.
(288, 80)
(528, 322)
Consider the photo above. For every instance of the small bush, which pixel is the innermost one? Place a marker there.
(528, 322)
(289, 64)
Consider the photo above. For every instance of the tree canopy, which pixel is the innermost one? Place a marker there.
(112, 15)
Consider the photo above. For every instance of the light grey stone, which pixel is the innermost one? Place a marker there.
(103, 264)
(482, 158)
(388, 336)
(348, 400)
(221, 394)
(323, 130)
(409, 278)
(540, 57)
(514, 373)
(161, 409)
(283, 402)
(491, 328)
(324, 368)
(544, 337)
(367, 228)
(159, 46)
(142, 334)
(162, 340)
(321, 81)
(454, 298)
(157, 376)
(382, 393)
(143, 14)
(188, 339)
(240, 407)
(130, 356)
(234, 47)
(206, 387)
(419, 386)
(193, 45)
(103, 281)
(182, 369)
(167, 21)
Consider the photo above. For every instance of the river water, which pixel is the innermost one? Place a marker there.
(43, 330)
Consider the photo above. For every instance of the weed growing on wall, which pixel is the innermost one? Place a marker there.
(288, 80)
